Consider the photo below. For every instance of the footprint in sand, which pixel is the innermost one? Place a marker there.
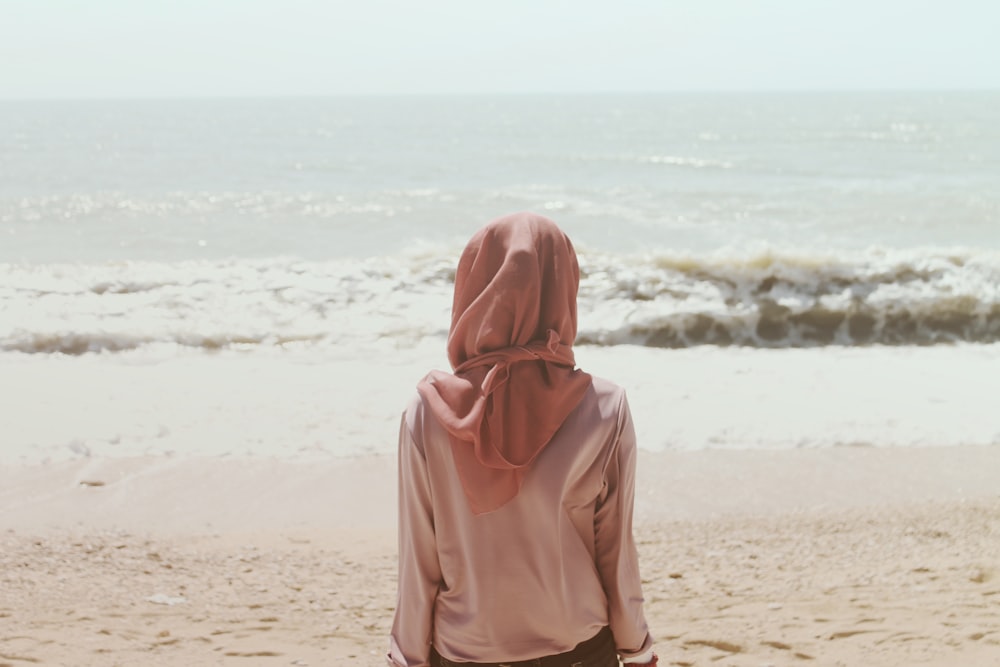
(20, 658)
(728, 647)
(785, 647)
(844, 634)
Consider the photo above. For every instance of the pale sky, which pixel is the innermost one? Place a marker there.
(180, 48)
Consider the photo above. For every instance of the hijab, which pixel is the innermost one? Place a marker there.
(513, 323)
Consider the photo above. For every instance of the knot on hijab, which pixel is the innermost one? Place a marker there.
(510, 347)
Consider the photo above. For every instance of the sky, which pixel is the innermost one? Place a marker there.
(224, 48)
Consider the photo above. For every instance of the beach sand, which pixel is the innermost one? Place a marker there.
(841, 556)
(813, 507)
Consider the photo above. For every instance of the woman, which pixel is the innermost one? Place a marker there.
(516, 478)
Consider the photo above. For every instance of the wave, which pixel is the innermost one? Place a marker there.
(759, 298)
(212, 305)
(773, 299)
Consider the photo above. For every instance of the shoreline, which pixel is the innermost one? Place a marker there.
(195, 495)
(311, 407)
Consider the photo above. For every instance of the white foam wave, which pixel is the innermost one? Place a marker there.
(680, 161)
(767, 298)
(761, 297)
(83, 308)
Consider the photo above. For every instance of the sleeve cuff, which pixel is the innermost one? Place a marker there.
(645, 657)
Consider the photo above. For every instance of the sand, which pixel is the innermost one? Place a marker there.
(843, 556)
(304, 405)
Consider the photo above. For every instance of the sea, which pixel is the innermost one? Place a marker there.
(769, 228)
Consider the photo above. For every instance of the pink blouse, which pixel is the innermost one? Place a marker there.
(539, 575)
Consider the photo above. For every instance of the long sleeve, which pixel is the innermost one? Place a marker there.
(616, 555)
(419, 569)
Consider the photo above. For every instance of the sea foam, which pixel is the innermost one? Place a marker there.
(757, 298)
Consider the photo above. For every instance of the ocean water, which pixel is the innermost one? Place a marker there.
(272, 277)
(771, 220)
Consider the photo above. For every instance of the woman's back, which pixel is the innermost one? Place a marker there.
(540, 574)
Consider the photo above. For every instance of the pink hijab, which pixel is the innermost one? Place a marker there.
(513, 323)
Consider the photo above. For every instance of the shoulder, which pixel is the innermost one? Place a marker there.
(606, 388)
(412, 425)
(421, 422)
(608, 397)
(415, 404)
(415, 412)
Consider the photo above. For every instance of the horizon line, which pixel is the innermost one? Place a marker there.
(443, 94)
